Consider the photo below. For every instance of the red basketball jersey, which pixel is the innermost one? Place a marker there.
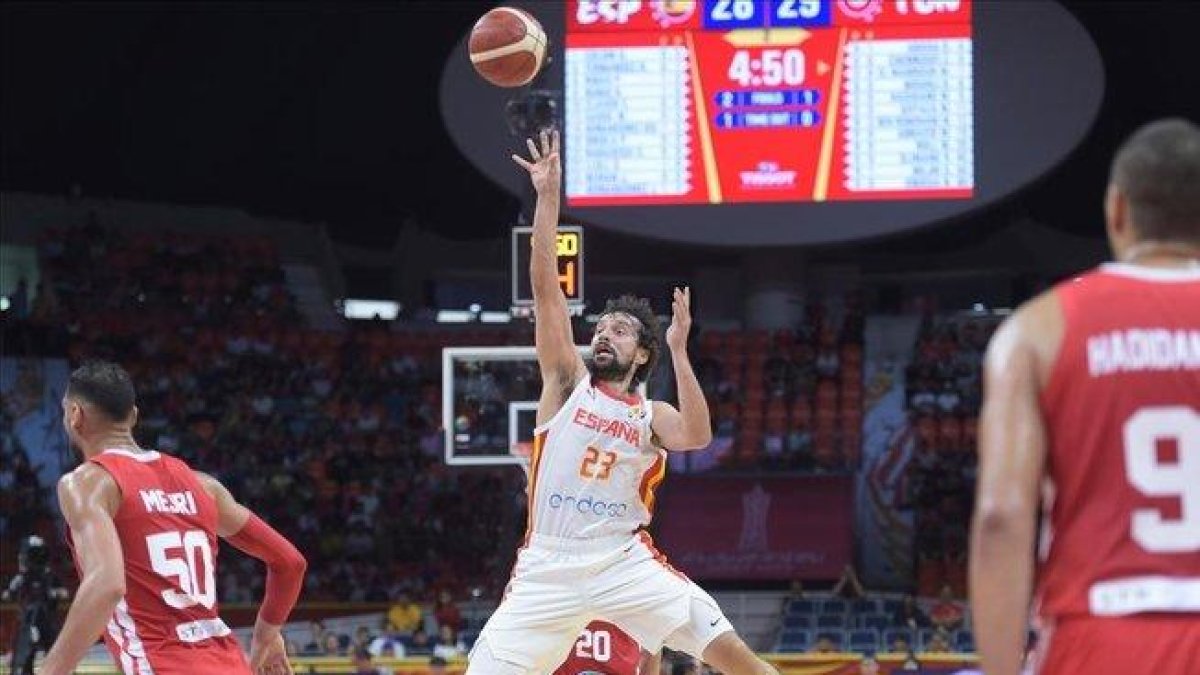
(167, 623)
(1122, 406)
(602, 649)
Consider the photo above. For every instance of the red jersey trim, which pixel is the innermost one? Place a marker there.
(611, 392)
(651, 480)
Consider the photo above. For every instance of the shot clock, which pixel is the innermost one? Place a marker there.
(568, 253)
(728, 101)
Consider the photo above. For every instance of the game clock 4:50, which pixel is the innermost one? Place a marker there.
(767, 67)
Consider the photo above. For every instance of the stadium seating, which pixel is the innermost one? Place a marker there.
(864, 640)
(794, 641)
(866, 606)
(876, 621)
(802, 606)
(345, 426)
(891, 636)
(834, 606)
(831, 621)
(791, 622)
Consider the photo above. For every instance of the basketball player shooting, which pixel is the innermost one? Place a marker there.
(1092, 403)
(142, 527)
(598, 454)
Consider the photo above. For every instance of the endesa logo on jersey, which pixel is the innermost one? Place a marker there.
(601, 16)
(587, 505)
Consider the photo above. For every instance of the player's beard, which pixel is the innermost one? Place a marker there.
(612, 369)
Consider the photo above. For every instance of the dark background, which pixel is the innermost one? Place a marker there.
(329, 112)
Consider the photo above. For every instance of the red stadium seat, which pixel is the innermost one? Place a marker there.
(931, 576)
(927, 430)
(727, 410)
(949, 433)
(802, 413)
(970, 432)
(852, 446)
(827, 394)
(751, 420)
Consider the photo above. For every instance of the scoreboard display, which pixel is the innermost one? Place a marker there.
(737, 101)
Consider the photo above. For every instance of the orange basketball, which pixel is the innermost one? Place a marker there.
(508, 47)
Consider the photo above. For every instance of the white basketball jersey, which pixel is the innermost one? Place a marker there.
(593, 470)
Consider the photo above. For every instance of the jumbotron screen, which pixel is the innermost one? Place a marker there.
(734, 101)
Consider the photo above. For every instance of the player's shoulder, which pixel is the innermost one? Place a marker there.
(87, 474)
(1030, 320)
(211, 484)
(86, 483)
(1032, 335)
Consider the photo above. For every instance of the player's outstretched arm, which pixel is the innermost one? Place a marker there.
(285, 576)
(1012, 454)
(558, 358)
(690, 427)
(89, 497)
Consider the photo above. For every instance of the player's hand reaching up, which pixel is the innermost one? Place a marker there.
(681, 320)
(268, 654)
(545, 170)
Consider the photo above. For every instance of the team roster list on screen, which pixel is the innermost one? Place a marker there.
(724, 101)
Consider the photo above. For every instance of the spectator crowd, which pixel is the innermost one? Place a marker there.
(335, 437)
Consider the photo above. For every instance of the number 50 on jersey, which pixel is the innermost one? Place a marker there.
(568, 252)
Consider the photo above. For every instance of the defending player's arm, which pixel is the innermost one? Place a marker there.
(285, 575)
(1012, 455)
(89, 497)
(689, 427)
(558, 358)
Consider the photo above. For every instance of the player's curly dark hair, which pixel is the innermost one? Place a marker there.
(639, 308)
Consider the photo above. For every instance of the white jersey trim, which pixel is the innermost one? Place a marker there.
(203, 629)
(1131, 595)
(146, 456)
(124, 632)
(1147, 273)
(586, 381)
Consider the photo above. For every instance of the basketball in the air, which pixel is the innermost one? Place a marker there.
(508, 47)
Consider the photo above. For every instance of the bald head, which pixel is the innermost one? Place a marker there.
(1156, 178)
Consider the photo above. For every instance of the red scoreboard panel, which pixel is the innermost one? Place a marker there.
(728, 101)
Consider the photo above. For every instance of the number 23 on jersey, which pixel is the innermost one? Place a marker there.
(597, 464)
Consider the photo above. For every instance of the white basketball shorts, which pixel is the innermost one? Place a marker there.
(559, 586)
